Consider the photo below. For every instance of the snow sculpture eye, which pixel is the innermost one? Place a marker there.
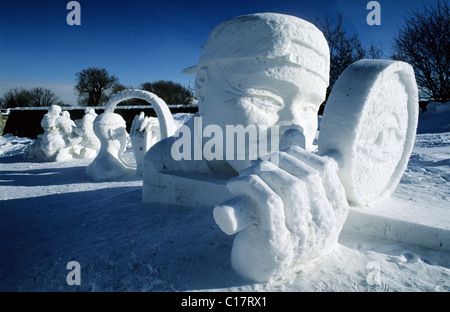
(309, 109)
(264, 100)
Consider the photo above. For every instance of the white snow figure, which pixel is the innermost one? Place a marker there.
(58, 142)
(110, 128)
(288, 207)
(144, 133)
(66, 128)
(90, 144)
(52, 139)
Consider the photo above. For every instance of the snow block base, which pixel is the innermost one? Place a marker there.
(400, 221)
(180, 189)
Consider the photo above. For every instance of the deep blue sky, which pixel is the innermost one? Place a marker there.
(144, 41)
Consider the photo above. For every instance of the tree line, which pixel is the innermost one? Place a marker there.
(423, 42)
(35, 97)
(94, 86)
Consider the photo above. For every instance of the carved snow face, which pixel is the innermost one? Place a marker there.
(382, 136)
(110, 128)
(262, 93)
(54, 110)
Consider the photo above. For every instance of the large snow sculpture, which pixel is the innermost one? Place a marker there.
(366, 138)
(271, 71)
(258, 70)
(110, 128)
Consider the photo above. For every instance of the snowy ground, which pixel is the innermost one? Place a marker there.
(51, 213)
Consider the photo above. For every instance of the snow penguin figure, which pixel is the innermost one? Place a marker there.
(110, 128)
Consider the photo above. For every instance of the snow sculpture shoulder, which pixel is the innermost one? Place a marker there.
(270, 71)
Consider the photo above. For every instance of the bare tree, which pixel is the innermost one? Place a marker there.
(344, 49)
(94, 86)
(171, 92)
(424, 42)
(44, 97)
(36, 97)
(375, 51)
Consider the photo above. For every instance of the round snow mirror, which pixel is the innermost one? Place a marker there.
(370, 119)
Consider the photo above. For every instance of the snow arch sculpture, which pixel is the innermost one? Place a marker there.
(110, 128)
(167, 125)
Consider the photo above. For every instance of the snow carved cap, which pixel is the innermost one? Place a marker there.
(109, 126)
(273, 36)
(55, 110)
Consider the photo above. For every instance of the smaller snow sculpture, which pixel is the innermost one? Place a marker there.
(63, 139)
(90, 144)
(143, 134)
(52, 139)
(145, 131)
(110, 128)
(71, 147)
(58, 142)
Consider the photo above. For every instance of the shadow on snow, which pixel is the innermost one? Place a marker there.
(121, 244)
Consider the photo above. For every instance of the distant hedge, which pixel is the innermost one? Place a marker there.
(3, 119)
(27, 122)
